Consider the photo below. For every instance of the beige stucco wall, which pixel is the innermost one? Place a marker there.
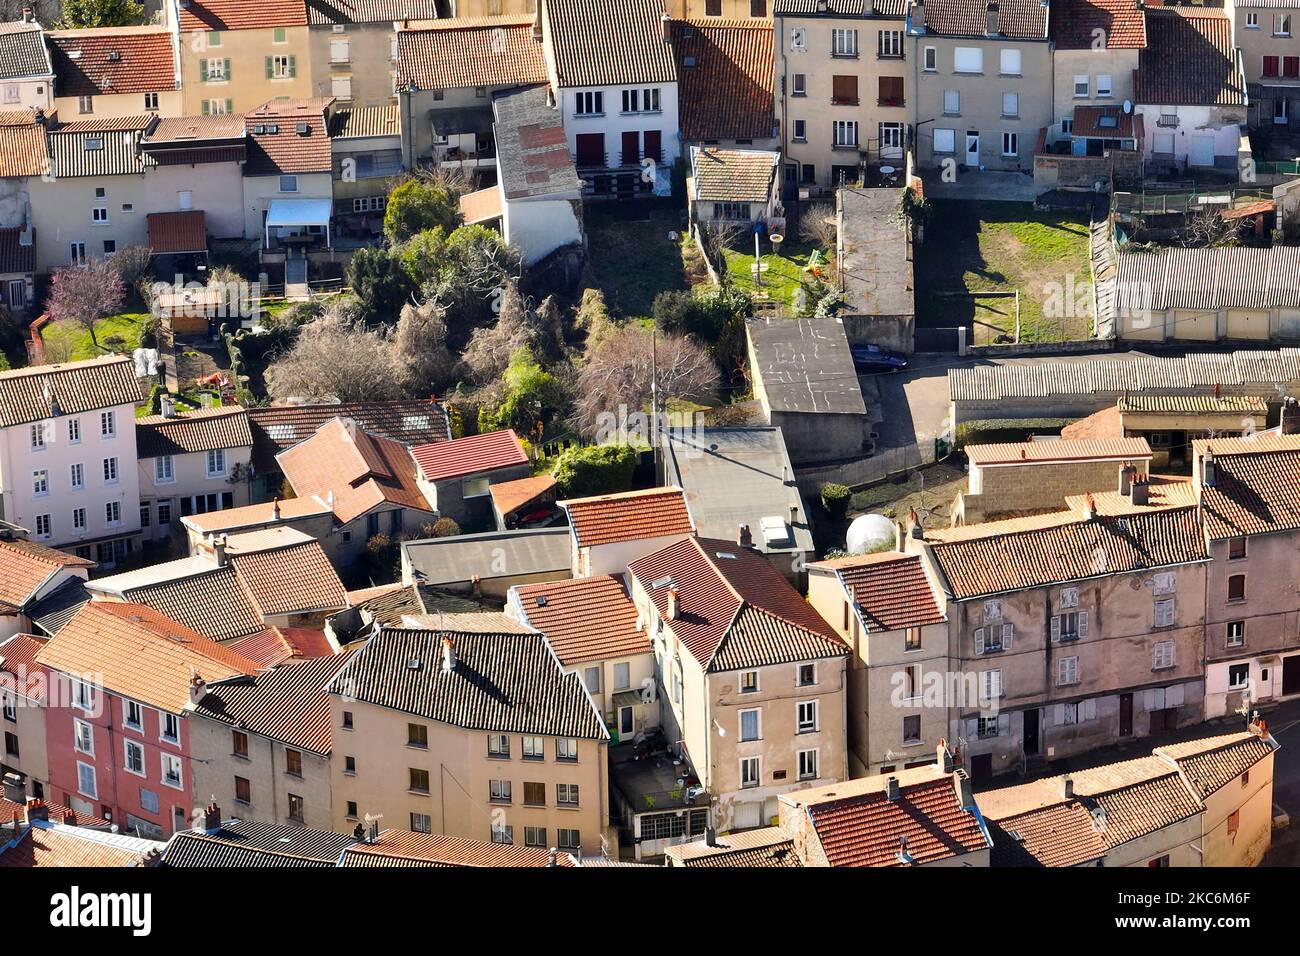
(1253, 802)
(641, 669)
(106, 106)
(191, 478)
(29, 728)
(248, 85)
(259, 191)
(981, 99)
(214, 767)
(614, 558)
(459, 774)
(1178, 842)
(369, 63)
(1255, 44)
(1119, 65)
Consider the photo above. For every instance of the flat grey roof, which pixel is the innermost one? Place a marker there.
(496, 554)
(875, 258)
(732, 476)
(805, 365)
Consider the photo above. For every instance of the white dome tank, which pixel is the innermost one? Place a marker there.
(869, 533)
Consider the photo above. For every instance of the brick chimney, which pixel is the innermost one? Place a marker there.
(37, 810)
(1127, 475)
(1067, 787)
(448, 656)
(212, 817)
(744, 538)
(275, 510)
(674, 606)
(219, 550)
(198, 688)
(918, 15)
(961, 787)
(1207, 468)
(944, 757)
(1140, 493)
(991, 25)
(892, 790)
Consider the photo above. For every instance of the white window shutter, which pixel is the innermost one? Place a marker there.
(972, 727)
(1008, 631)
(1004, 725)
(1089, 710)
(1056, 628)
(979, 640)
(1174, 696)
(1083, 623)
(1059, 717)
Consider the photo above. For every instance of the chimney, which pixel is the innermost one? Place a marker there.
(1140, 493)
(70, 818)
(944, 757)
(359, 833)
(219, 550)
(1290, 416)
(1090, 503)
(198, 687)
(275, 510)
(914, 522)
(27, 15)
(962, 788)
(553, 858)
(212, 817)
(991, 19)
(821, 6)
(1067, 787)
(37, 810)
(475, 586)
(537, 23)
(151, 858)
(1207, 468)
(167, 405)
(918, 15)
(710, 837)
(745, 539)
(794, 515)
(14, 789)
(448, 656)
(666, 27)
(674, 608)
(1127, 475)
(892, 790)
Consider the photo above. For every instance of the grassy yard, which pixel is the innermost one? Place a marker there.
(782, 279)
(632, 259)
(70, 341)
(999, 247)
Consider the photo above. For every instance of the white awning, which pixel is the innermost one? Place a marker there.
(299, 212)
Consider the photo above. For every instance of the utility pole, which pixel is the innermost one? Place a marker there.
(654, 395)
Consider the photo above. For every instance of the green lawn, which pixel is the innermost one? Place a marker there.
(631, 257)
(1001, 246)
(70, 341)
(782, 279)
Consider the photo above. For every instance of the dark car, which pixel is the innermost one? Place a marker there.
(870, 359)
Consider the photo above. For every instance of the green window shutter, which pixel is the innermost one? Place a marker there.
(203, 71)
(293, 65)
(270, 68)
(227, 65)
(230, 106)
(205, 107)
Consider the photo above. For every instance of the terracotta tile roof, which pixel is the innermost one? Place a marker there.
(58, 814)
(22, 146)
(22, 53)
(15, 257)
(140, 654)
(290, 580)
(73, 151)
(507, 683)
(196, 431)
(26, 565)
(1121, 22)
(1105, 425)
(892, 9)
(1213, 762)
(323, 12)
(724, 79)
(172, 232)
(511, 496)
(856, 824)
(1063, 450)
(767, 848)
(733, 175)
(18, 659)
(1105, 121)
(1189, 60)
(735, 610)
(461, 53)
(1017, 19)
(62, 846)
(188, 849)
(364, 121)
(100, 62)
(469, 455)
(304, 843)
(195, 129)
(1199, 404)
(404, 848)
(1060, 835)
(890, 589)
(628, 516)
(586, 619)
(276, 645)
(1256, 486)
(361, 470)
(280, 147)
(409, 421)
(287, 703)
(237, 15)
(609, 42)
(27, 394)
(213, 601)
(262, 514)
(1046, 549)
(1163, 491)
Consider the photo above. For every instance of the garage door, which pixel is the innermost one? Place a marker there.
(1247, 324)
(1199, 326)
(1202, 151)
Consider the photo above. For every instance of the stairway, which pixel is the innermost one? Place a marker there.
(295, 279)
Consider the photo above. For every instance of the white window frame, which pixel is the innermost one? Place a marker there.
(749, 690)
(108, 424)
(973, 58)
(113, 514)
(78, 519)
(930, 60)
(74, 431)
(952, 102)
(1010, 56)
(1067, 671)
(166, 720)
(129, 747)
(84, 769)
(41, 483)
(844, 42)
(78, 727)
(1163, 656)
(1014, 100)
(1165, 613)
(77, 475)
(758, 724)
(44, 527)
(112, 471)
(127, 707)
(800, 770)
(216, 462)
(757, 777)
(942, 137)
(803, 725)
(1010, 143)
(174, 762)
(1240, 640)
(1082, 86)
(164, 470)
(1105, 85)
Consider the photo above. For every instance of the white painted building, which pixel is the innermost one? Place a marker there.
(68, 456)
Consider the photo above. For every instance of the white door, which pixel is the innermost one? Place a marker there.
(972, 148)
(17, 294)
(1202, 151)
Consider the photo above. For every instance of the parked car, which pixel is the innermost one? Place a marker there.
(870, 359)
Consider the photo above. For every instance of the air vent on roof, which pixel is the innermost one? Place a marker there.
(114, 56)
(541, 600)
(259, 130)
(273, 128)
(303, 129)
(1108, 122)
(74, 54)
(413, 664)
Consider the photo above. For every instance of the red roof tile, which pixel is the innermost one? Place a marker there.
(628, 516)
(586, 619)
(1064, 450)
(469, 455)
(281, 147)
(18, 659)
(239, 15)
(412, 849)
(15, 257)
(1074, 22)
(1189, 60)
(890, 589)
(726, 92)
(1256, 486)
(171, 232)
(461, 53)
(100, 62)
(26, 565)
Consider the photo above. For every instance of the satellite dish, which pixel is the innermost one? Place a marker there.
(1128, 106)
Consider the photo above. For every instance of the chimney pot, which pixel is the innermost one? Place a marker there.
(1140, 493)
(944, 761)
(553, 858)
(892, 791)
(1067, 787)
(918, 14)
(448, 656)
(1127, 474)
(745, 539)
(212, 817)
(674, 608)
(1207, 468)
(37, 810)
(219, 550)
(710, 837)
(275, 509)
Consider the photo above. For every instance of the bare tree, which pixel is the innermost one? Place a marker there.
(336, 357)
(85, 294)
(718, 238)
(618, 373)
(1209, 230)
(817, 226)
(489, 349)
(422, 360)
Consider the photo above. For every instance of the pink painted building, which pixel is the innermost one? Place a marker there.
(122, 677)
